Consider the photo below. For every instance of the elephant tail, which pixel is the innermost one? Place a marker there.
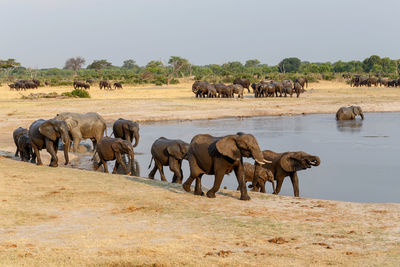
(151, 161)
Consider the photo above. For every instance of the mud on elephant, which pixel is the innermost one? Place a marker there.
(168, 152)
(219, 156)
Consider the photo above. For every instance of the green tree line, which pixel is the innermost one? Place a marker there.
(159, 72)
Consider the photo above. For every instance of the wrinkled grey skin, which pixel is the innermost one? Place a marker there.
(25, 148)
(263, 175)
(287, 164)
(16, 134)
(168, 152)
(113, 149)
(219, 156)
(84, 126)
(46, 134)
(127, 130)
(349, 113)
(237, 89)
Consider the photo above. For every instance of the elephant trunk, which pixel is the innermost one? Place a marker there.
(362, 115)
(137, 137)
(259, 158)
(315, 161)
(132, 159)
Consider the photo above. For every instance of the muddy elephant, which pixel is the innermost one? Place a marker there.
(287, 164)
(168, 152)
(127, 130)
(113, 149)
(302, 81)
(25, 148)
(349, 113)
(84, 126)
(264, 175)
(219, 156)
(16, 134)
(46, 134)
(237, 89)
(297, 88)
(105, 84)
(243, 82)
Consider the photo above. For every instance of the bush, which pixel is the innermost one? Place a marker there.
(173, 81)
(80, 93)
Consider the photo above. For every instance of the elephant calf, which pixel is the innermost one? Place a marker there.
(25, 148)
(113, 149)
(16, 134)
(168, 152)
(263, 175)
(349, 113)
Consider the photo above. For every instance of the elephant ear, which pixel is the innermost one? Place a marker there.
(117, 146)
(289, 163)
(47, 129)
(227, 147)
(175, 151)
(356, 110)
(71, 123)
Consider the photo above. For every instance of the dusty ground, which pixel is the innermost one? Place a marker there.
(61, 216)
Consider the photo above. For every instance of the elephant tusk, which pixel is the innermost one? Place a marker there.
(267, 161)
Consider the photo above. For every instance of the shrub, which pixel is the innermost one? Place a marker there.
(173, 81)
(80, 93)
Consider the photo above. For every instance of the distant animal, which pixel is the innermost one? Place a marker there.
(81, 84)
(47, 83)
(168, 152)
(237, 89)
(243, 82)
(287, 87)
(302, 81)
(105, 85)
(297, 88)
(90, 81)
(349, 113)
(16, 134)
(383, 81)
(117, 85)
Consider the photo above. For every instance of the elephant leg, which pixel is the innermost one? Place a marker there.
(122, 163)
(153, 172)
(76, 144)
(186, 185)
(239, 172)
(105, 167)
(279, 182)
(50, 149)
(94, 141)
(115, 167)
(219, 175)
(195, 173)
(16, 153)
(174, 166)
(295, 183)
(160, 170)
(197, 188)
(36, 151)
(262, 190)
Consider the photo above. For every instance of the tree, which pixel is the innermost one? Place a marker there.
(129, 64)
(252, 63)
(74, 64)
(9, 64)
(291, 64)
(369, 62)
(155, 67)
(178, 64)
(100, 64)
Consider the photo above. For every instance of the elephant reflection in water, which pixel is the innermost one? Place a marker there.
(135, 169)
(353, 126)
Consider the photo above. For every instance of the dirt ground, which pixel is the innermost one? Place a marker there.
(63, 216)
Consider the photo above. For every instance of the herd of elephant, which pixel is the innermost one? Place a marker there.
(206, 154)
(358, 81)
(264, 88)
(24, 84)
(104, 84)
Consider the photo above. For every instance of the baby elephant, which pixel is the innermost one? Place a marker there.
(349, 113)
(168, 152)
(25, 149)
(16, 134)
(263, 174)
(113, 148)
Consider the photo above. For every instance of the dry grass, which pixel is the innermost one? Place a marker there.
(71, 217)
(64, 217)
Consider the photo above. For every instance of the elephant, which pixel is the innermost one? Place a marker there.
(80, 84)
(302, 81)
(113, 149)
(47, 83)
(46, 134)
(349, 113)
(36, 82)
(383, 81)
(237, 89)
(126, 130)
(297, 88)
(227, 92)
(168, 152)
(83, 126)
(16, 134)
(117, 85)
(212, 92)
(219, 87)
(90, 81)
(287, 164)
(372, 81)
(219, 156)
(263, 174)
(200, 88)
(393, 83)
(25, 148)
(105, 84)
(278, 86)
(243, 82)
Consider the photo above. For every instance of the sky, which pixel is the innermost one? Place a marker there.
(45, 33)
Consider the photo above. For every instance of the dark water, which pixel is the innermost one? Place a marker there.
(359, 159)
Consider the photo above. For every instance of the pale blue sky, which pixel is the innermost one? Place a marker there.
(44, 33)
